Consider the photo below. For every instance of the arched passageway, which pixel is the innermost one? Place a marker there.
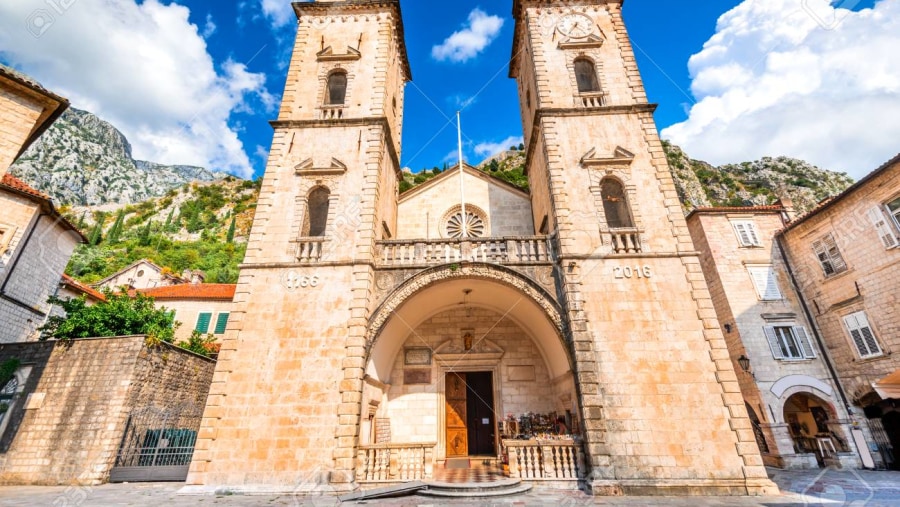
(465, 361)
(809, 419)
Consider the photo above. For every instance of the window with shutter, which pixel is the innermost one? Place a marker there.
(829, 255)
(893, 208)
(862, 335)
(221, 323)
(765, 282)
(746, 233)
(882, 227)
(203, 321)
(789, 342)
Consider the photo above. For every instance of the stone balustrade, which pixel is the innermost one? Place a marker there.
(545, 460)
(310, 249)
(422, 252)
(331, 112)
(592, 99)
(395, 463)
(625, 241)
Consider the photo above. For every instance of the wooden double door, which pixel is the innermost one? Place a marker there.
(470, 414)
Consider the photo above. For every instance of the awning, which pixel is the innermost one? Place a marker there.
(888, 387)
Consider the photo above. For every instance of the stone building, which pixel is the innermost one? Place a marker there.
(197, 306)
(72, 408)
(142, 274)
(797, 408)
(846, 259)
(69, 288)
(27, 109)
(594, 312)
(35, 245)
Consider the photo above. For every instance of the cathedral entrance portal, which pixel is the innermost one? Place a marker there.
(470, 415)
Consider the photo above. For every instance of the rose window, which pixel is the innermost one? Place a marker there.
(474, 226)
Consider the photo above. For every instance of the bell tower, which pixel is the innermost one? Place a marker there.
(283, 409)
(660, 398)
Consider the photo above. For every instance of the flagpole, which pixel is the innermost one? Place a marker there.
(462, 185)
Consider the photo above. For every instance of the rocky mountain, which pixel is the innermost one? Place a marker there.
(83, 160)
(761, 182)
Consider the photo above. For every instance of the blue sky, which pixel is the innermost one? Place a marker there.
(196, 81)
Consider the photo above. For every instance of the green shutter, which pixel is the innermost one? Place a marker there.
(203, 322)
(221, 323)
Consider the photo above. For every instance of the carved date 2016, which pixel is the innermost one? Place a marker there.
(633, 272)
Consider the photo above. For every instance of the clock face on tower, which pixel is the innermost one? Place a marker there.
(575, 25)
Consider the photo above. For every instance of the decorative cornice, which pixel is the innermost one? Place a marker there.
(328, 55)
(590, 42)
(620, 156)
(307, 168)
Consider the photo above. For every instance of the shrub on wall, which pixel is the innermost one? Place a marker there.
(119, 315)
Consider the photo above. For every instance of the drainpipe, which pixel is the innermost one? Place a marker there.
(813, 324)
(815, 330)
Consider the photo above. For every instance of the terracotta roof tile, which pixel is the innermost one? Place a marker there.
(80, 287)
(18, 185)
(208, 291)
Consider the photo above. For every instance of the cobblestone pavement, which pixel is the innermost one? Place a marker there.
(816, 488)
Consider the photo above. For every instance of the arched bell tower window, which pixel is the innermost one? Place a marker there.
(337, 88)
(586, 76)
(615, 204)
(316, 213)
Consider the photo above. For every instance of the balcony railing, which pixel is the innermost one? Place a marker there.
(549, 460)
(331, 112)
(595, 99)
(422, 252)
(310, 249)
(395, 463)
(625, 241)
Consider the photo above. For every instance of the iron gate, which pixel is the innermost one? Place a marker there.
(157, 445)
(884, 443)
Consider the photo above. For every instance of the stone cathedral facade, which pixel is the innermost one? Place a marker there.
(367, 320)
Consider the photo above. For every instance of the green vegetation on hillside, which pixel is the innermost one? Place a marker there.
(511, 169)
(201, 226)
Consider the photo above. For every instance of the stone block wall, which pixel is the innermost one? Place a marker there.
(66, 425)
(869, 284)
(34, 278)
(19, 112)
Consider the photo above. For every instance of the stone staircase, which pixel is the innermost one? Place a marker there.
(507, 487)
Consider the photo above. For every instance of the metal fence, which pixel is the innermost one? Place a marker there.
(157, 445)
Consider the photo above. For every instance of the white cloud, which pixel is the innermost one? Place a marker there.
(467, 43)
(797, 78)
(210, 27)
(144, 68)
(488, 149)
(278, 12)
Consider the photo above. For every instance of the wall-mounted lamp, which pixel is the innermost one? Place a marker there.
(744, 362)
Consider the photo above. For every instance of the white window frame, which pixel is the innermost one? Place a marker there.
(829, 255)
(883, 226)
(894, 212)
(747, 233)
(789, 342)
(768, 290)
(866, 344)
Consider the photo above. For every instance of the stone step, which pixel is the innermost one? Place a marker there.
(507, 487)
